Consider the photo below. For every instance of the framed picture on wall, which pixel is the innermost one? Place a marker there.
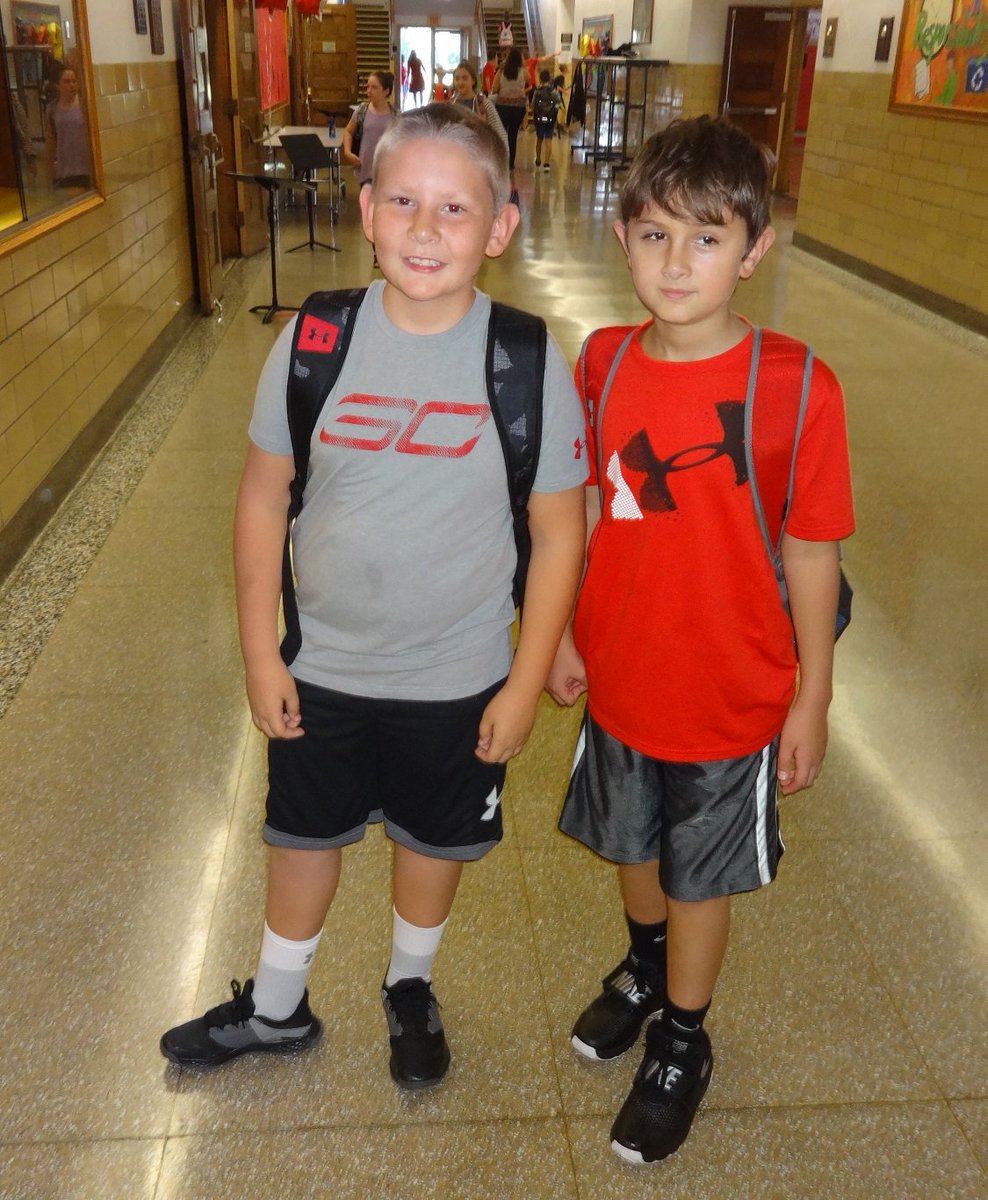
(641, 22)
(597, 35)
(941, 68)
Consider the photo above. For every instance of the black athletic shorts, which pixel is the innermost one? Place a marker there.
(408, 763)
(713, 826)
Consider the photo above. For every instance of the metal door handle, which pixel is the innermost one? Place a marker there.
(750, 112)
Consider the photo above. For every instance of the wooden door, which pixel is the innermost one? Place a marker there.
(204, 153)
(332, 65)
(247, 123)
(756, 69)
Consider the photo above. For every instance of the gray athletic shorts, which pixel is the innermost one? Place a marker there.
(713, 826)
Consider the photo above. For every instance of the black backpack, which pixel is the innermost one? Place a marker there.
(515, 369)
(544, 103)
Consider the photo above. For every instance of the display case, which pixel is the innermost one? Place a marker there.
(620, 94)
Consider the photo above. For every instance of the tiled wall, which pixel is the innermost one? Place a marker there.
(907, 195)
(682, 90)
(80, 306)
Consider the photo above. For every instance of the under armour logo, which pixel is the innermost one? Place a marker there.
(655, 495)
(317, 337)
(492, 802)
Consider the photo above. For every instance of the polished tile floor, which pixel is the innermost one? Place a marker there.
(851, 1023)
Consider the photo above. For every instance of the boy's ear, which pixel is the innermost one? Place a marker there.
(367, 211)
(505, 224)
(763, 243)
(621, 233)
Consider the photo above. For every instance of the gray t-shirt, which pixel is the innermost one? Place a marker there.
(403, 550)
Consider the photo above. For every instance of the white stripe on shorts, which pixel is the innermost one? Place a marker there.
(581, 745)
(761, 831)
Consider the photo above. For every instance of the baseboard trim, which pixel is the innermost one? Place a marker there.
(36, 512)
(952, 310)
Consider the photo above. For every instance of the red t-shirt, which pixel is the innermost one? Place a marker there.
(689, 652)
(487, 77)
(530, 65)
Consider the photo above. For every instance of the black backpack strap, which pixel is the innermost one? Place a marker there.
(323, 331)
(516, 351)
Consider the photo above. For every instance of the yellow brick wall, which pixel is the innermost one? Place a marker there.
(81, 305)
(908, 195)
(682, 90)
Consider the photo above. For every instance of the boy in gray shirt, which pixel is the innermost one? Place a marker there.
(404, 702)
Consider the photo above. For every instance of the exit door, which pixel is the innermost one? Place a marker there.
(754, 80)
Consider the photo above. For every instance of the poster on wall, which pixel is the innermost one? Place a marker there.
(596, 36)
(272, 56)
(941, 68)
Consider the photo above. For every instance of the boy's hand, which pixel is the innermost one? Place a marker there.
(273, 699)
(568, 678)
(802, 745)
(505, 725)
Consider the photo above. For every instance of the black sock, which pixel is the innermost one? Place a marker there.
(683, 1023)
(648, 942)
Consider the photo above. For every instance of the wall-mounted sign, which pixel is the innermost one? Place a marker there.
(829, 37)
(157, 28)
(883, 47)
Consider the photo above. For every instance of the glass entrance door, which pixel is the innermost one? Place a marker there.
(438, 50)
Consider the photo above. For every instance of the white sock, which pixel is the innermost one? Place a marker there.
(279, 984)
(412, 950)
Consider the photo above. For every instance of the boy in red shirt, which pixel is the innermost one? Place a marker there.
(680, 637)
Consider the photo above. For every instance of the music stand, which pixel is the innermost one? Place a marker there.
(271, 184)
(307, 154)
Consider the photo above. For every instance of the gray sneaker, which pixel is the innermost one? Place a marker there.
(231, 1029)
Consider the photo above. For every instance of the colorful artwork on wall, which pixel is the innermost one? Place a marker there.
(941, 69)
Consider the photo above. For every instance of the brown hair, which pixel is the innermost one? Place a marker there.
(512, 64)
(385, 78)
(701, 169)
(471, 70)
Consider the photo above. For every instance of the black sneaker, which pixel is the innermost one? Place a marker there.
(419, 1053)
(656, 1117)
(231, 1029)
(611, 1024)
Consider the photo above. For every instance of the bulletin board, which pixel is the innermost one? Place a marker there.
(272, 56)
(941, 68)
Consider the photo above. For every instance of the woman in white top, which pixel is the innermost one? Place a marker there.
(465, 94)
(509, 93)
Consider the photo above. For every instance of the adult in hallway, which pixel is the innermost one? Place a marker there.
(65, 139)
(509, 99)
(416, 78)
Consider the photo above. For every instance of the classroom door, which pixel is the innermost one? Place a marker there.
(755, 74)
(250, 217)
(205, 153)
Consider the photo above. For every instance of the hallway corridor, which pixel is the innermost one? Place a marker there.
(851, 1022)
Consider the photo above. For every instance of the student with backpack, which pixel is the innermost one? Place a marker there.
(682, 638)
(423, 453)
(546, 103)
(368, 123)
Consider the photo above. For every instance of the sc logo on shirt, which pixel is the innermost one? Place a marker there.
(435, 428)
